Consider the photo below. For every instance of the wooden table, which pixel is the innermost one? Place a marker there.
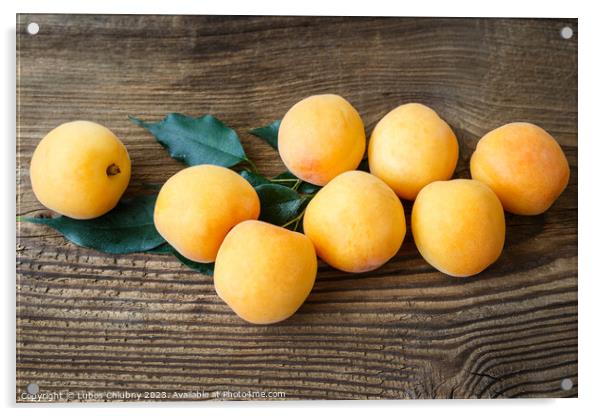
(89, 322)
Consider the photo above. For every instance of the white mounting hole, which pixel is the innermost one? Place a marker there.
(566, 32)
(33, 388)
(33, 28)
(566, 384)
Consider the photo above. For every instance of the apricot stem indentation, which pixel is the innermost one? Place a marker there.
(113, 170)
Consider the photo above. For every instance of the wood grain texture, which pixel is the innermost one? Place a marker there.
(143, 322)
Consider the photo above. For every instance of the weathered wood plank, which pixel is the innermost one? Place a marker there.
(143, 322)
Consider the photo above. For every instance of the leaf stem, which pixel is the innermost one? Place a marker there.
(137, 121)
(252, 165)
(284, 180)
(295, 220)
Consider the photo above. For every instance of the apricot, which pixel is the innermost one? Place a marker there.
(524, 165)
(80, 169)
(458, 226)
(264, 272)
(321, 137)
(411, 147)
(356, 222)
(199, 205)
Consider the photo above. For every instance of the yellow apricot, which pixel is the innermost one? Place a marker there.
(458, 226)
(524, 166)
(80, 170)
(264, 272)
(320, 137)
(411, 147)
(356, 222)
(197, 207)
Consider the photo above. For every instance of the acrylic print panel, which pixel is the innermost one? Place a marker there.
(107, 312)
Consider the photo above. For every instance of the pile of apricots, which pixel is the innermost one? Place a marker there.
(354, 223)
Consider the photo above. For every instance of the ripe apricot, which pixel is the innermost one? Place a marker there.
(356, 222)
(264, 272)
(411, 147)
(458, 226)
(197, 207)
(321, 137)
(80, 170)
(524, 165)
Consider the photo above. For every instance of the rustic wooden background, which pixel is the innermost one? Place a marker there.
(93, 322)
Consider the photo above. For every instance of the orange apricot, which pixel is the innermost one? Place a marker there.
(264, 272)
(320, 137)
(458, 226)
(411, 147)
(356, 222)
(80, 170)
(199, 205)
(524, 165)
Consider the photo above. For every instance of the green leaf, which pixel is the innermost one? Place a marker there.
(152, 186)
(285, 179)
(204, 268)
(128, 228)
(197, 141)
(289, 180)
(162, 249)
(255, 179)
(280, 205)
(268, 133)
